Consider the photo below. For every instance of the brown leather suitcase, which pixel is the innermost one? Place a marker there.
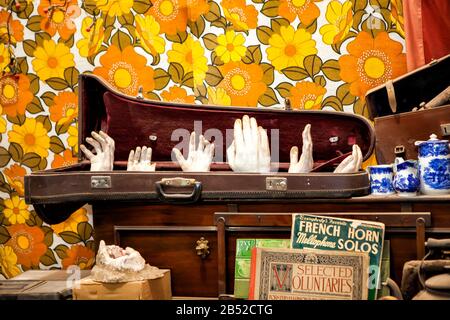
(134, 122)
(397, 127)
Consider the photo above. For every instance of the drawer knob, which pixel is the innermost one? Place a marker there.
(202, 248)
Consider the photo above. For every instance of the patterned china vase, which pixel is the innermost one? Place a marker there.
(434, 166)
(406, 180)
(381, 178)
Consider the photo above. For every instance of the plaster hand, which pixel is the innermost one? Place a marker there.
(140, 160)
(249, 151)
(200, 155)
(306, 162)
(352, 163)
(103, 159)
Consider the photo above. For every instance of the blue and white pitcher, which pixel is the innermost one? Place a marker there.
(406, 180)
(434, 166)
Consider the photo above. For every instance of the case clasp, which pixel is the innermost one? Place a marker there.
(276, 184)
(101, 182)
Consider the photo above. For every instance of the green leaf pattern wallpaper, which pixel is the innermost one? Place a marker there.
(320, 54)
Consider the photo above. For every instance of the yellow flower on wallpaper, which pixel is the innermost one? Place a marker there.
(27, 243)
(72, 222)
(64, 160)
(305, 10)
(230, 46)
(191, 55)
(371, 62)
(15, 28)
(72, 139)
(397, 16)
(52, 59)
(8, 262)
(64, 108)
(15, 94)
(243, 83)
(242, 17)
(16, 210)
(340, 19)
(4, 57)
(177, 94)
(93, 36)
(59, 18)
(80, 256)
(196, 8)
(126, 70)
(306, 95)
(114, 8)
(171, 15)
(15, 177)
(147, 31)
(290, 47)
(31, 136)
(2, 122)
(218, 96)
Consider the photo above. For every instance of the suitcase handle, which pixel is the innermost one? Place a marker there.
(178, 198)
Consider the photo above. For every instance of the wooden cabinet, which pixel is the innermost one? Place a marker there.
(168, 235)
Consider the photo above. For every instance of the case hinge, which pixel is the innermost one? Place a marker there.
(100, 182)
(276, 184)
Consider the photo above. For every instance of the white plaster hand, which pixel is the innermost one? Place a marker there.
(352, 163)
(140, 160)
(249, 151)
(306, 162)
(200, 155)
(103, 159)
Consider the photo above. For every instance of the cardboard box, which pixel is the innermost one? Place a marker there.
(156, 289)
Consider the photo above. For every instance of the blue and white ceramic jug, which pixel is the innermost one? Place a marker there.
(406, 180)
(434, 166)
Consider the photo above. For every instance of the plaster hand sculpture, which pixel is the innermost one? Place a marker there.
(104, 146)
(140, 160)
(306, 162)
(249, 151)
(114, 264)
(200, 155)
(352, 163)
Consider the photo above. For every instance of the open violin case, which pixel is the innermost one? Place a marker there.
(134, 121)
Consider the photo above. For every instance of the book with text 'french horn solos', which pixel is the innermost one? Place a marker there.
(293, 274)
(330, 233)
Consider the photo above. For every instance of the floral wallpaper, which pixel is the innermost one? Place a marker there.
(319, 54)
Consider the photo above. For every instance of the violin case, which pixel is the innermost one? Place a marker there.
(392, 105)
(134, 121)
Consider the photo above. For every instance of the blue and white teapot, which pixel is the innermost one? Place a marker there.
(434, 166)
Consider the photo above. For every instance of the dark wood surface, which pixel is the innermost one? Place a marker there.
(166, 235)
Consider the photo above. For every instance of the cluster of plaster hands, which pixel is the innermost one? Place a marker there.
(249, 152)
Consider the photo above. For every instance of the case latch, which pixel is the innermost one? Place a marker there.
(276, 184)
(445, 128)
(100, 182)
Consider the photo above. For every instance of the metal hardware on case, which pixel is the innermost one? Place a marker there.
(202, 248)
(140, 94)
(276, 184)
(445, 128)
(153, 137)
(334, 139)
(399, 150)
(100, 182)
(177, 182)
(287, 104)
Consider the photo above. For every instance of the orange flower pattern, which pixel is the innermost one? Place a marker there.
(221, 52)
(371, 62)
(80, 256)
(126, 70)
(27, 243)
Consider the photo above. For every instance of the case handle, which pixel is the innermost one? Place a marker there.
(391, 96)
(178, 198)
